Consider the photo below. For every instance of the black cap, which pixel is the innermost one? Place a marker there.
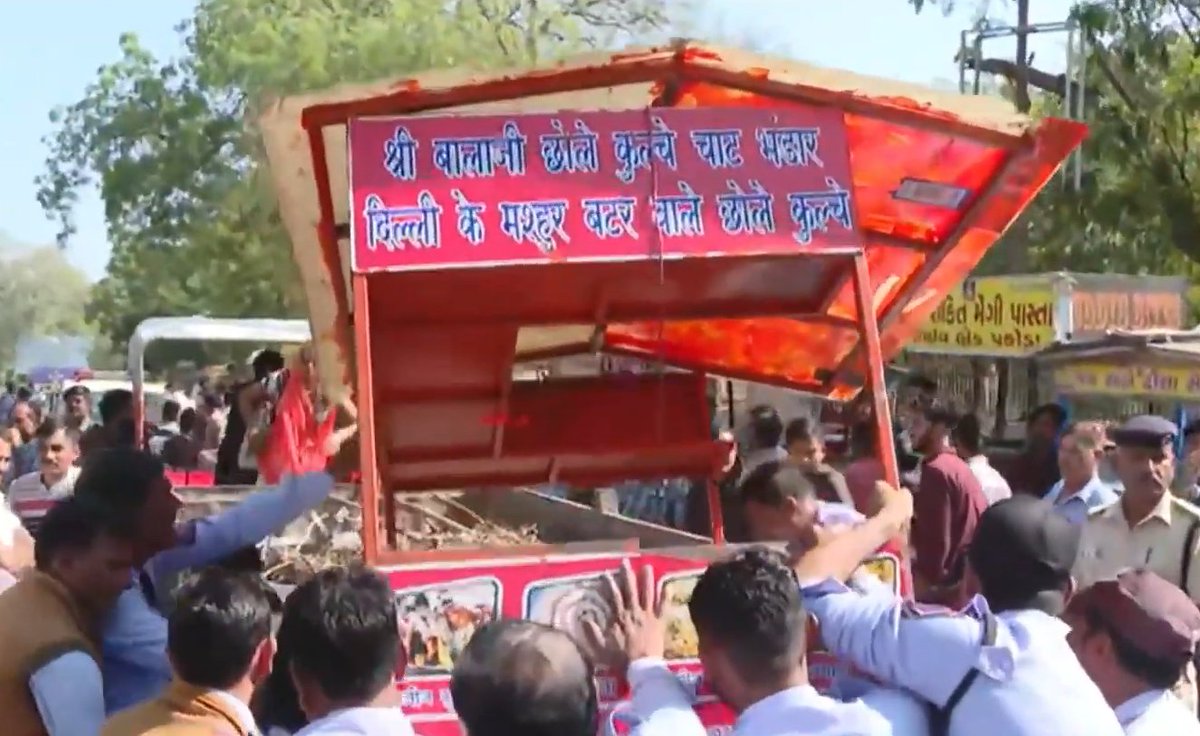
(1146, 431)
(1022, 547)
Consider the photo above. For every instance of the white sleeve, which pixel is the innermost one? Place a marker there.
(69, 693)
(659, 703)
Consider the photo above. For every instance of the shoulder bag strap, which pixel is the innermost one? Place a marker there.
(939, 723)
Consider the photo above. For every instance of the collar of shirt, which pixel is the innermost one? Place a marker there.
(1091, 494)
(1136, 707)
(237, 708)
(758, 717)
(1162, 512)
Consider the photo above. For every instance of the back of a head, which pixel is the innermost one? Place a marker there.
(266, 362)
(218, 625)
(521, 677)
(170, 411)
(766, 426)
(772, 483)
(968, 435)
(115, 404)
(798, 430)
(119, 479)
(862, 440)
(1022, 554)
(748, 608)
(942, 413)
(187, 420)
(71, 525)
(346, 638)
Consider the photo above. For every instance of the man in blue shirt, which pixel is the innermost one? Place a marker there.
(1002, 666)
(1080, 452)
(131, 485)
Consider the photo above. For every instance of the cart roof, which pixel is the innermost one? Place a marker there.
(916, 250)
(1120, 346)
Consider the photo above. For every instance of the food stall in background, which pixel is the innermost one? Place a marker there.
(1123, 373)
(688, 206)
(979, 341)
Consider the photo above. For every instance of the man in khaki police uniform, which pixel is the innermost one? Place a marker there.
(1148, 527)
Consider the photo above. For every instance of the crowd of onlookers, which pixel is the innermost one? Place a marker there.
(1066, 610)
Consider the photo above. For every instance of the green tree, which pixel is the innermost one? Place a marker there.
(1138, 209)
(172, 148)
(42, 294)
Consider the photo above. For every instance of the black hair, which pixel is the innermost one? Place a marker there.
(766, 426)
(276, 704)
(941, 412)
(170, 411)
(212, 400)
(10, 386)
(1157, 673)
(522, 677)
(113, 404)
(266, 363)
(749, 605)
(71, 525)
(187, 420)
(24, 393)
(921, 383)
(968, 435)
(219, 621)
(799, 430)
(347, 642)
(48, 427)
(862, 439)
(119, 479)
(772, 483)
(1054, 411)
(77, 390)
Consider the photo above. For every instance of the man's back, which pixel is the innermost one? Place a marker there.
(802, 710)
(182, 710)
(947, 507)
(1029, 683)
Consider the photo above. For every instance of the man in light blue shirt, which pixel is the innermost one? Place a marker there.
(130, 484)
(1080, 452)
(1002, 666)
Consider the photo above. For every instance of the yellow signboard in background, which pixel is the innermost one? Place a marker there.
(996, 316)
(1133, 381)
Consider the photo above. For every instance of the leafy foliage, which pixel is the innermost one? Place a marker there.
(42, 294)
(172, 148)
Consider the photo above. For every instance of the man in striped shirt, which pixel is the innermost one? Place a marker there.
(31, 495)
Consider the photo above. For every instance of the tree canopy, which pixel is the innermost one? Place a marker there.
(171, 145)
(1138, 207)
(42, 293)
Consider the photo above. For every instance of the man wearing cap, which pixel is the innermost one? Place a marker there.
(78, 402)
(1148, 527)
(1002, 666)
(1080, 489)
(1134, 635)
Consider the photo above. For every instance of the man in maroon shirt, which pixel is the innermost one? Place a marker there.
(946, 509)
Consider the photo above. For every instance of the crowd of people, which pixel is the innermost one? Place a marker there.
(1053, 598)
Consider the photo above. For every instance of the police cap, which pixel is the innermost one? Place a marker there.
(1146, 431)
(1151, 614)
(1022, 544)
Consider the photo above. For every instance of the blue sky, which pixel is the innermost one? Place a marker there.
(50, 50)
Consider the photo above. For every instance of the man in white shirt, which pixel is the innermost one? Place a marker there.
(33, 494)
(763, 438)
(346, 653)
(1134, 635)
(751, 627)
(967, 438)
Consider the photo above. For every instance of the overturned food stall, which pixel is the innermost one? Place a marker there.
(712, 212)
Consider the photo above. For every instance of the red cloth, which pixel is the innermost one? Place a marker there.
(946, 510)
(295, 442)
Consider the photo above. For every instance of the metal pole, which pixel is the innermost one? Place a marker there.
(1080, 103)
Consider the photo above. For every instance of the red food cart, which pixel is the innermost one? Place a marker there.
(709, 210)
